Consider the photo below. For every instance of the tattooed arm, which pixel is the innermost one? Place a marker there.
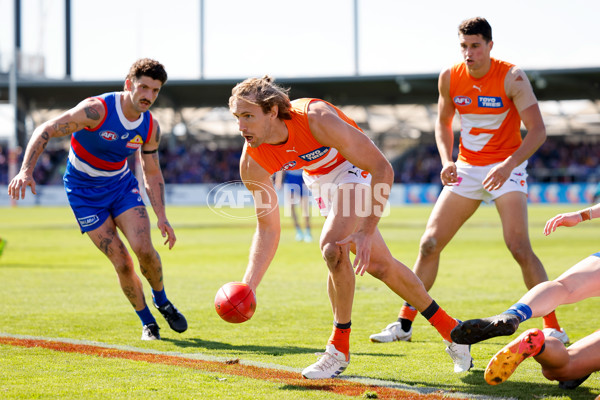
(155, 184)
(86, 114)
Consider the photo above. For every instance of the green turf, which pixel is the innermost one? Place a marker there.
(55, 284)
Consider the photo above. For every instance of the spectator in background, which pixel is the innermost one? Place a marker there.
(296, 193)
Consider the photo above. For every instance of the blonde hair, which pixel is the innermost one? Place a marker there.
(264, 93)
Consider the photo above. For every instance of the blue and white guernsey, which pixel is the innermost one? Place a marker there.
(98, 157)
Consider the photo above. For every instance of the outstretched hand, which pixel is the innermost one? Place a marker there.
(167, 231)
(362, 243)
(18, 186)
(566, 219)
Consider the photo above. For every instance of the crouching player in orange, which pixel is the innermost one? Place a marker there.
(345, 172)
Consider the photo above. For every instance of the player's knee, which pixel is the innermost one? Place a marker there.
(378, 270)
(124, 267)
(519, 250)
(427, 246)
(332, 254)
(147, 255)
(556, 374)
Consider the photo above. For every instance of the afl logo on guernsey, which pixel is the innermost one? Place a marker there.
(109, 135)
(135, 143)
(462, 100)
(288, 165)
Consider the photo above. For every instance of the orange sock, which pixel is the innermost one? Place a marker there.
(408, 312)
(340, 338)
(443, 323)
(550, 321)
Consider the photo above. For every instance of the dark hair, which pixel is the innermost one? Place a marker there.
(476, 26)
(147, 67)
(265, 94)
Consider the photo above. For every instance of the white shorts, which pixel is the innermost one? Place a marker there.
(324, 187)
(471, 177)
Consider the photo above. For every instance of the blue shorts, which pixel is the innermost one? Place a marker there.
(294, 183)
(93, 205)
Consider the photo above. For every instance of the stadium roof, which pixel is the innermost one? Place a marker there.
(549, 84)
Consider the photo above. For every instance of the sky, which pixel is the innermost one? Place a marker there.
(312, 38)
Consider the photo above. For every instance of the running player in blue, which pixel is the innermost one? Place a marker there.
(103, 192)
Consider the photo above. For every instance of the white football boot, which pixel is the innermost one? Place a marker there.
(150, 331)
(392, 333)
(461, 356)
(331, 364)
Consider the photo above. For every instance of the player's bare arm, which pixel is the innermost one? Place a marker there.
(330, 130)
(519, 90)
(571, 218)
(444, 136)
(155, 184)
(266, 238)
(87, 114)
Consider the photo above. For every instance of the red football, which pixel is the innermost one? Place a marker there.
(235, 302)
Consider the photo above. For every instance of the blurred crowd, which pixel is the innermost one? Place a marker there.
(181, 163)
(198, 164)
(558, 160)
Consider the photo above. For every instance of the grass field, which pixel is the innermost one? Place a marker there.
(56, 285)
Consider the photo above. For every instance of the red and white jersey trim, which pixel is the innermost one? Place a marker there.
(91, 171)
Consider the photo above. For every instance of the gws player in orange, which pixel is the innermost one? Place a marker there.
(570, 366)
(492, 98)
(345, 172)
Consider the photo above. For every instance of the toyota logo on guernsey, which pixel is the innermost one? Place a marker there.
(230, 199)
(462, 100)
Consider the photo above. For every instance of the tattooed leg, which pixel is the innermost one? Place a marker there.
(135, 224)
(108, 241)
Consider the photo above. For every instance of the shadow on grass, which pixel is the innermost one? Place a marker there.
(257, 349)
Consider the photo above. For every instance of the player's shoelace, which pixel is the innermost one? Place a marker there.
(326, 361)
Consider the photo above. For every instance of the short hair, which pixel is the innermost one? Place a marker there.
(476, 26)
(264, 93)
(147, 67)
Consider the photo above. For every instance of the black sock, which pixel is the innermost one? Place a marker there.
(342, 326)
(405, 324)
(431, 310)
(541, 350)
